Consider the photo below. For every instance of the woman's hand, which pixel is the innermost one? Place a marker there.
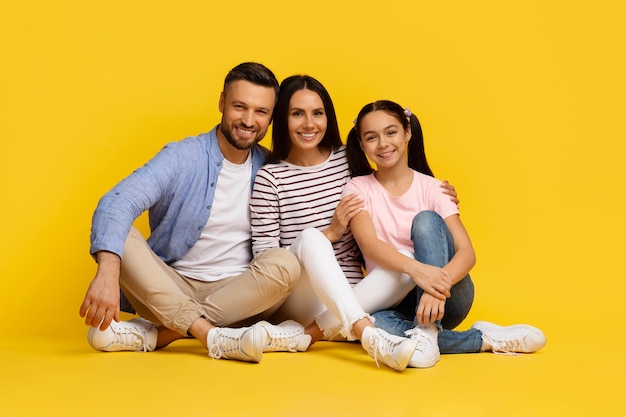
(347, 208)
(430, 309)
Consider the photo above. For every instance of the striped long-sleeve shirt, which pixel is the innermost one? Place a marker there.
(287, 199)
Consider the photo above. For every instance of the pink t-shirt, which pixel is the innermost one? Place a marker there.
(392, 216)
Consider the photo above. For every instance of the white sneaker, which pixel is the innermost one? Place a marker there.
(427, 351)
(518, 338)
(288, 336)
(137, 335)
(243, 344)
(393, 351)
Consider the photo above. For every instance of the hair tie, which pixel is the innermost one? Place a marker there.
(407, 112)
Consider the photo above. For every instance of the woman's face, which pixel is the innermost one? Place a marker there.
(306, 120)
(383, 138)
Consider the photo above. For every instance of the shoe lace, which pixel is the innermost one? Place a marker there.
(283, 341)
(504, 346)
(130, 338)
(423, 341)
(223, 344)
(381, 345)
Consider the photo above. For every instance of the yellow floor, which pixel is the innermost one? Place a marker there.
(60, 375)
(523, 110)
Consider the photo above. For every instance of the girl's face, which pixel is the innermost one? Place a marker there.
(306, 120)
(383, 138)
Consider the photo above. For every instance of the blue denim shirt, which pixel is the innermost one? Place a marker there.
(177, 186)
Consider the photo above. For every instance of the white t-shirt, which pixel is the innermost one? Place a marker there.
(223, 249)
(392, 217)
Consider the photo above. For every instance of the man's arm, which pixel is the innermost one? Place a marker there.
(102, 301)
(124, 203)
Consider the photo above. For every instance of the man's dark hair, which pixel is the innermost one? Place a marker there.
(252, 72)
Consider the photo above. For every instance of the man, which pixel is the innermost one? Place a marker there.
(195, 274)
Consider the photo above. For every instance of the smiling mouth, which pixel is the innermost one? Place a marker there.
(385, 155)
(245, 132)
(308, 136)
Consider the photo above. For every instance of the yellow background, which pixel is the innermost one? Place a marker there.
(522, 105)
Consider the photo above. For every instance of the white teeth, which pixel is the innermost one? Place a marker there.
(245, 132)
(307, 135)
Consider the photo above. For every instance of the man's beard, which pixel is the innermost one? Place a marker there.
(242, 146)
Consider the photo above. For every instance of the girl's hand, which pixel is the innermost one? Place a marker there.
(430, 309)
(433, 280)
(347, 208)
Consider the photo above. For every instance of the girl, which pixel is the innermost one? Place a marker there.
(407, 226)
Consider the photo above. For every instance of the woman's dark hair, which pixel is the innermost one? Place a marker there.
(252, 72)
(281, 142)
(357, 160)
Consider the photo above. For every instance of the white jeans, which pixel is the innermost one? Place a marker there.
(323, 293)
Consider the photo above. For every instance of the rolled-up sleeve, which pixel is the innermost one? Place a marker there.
(117, 209)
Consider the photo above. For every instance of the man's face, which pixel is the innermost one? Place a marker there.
(246, 113)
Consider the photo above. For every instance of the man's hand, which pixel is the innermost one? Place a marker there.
(451, 191)
(102, 301)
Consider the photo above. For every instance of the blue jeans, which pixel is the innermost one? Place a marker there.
(433, 245)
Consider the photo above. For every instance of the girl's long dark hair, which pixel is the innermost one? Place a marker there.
(357, 160)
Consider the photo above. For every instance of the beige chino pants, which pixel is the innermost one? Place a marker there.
(162, 295)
